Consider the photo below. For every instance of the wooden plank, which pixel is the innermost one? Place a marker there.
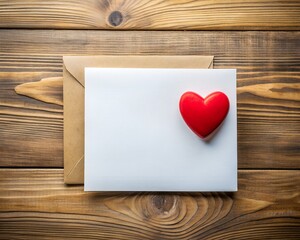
(31, 131)
(249, 49)
(37, 204)
(145, 14)
(268, 66)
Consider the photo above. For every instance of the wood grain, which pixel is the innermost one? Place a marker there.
(29, 129)
(36, 203)
(268, 65)
(156, 14)
(49, 90)
(259, 48)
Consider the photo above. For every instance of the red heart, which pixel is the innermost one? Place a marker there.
(203, 116)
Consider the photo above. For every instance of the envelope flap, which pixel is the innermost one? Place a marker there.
(75, 64)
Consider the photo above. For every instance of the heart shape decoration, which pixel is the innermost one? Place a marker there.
(203, 115)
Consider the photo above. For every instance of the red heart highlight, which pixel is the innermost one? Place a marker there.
(203, 115)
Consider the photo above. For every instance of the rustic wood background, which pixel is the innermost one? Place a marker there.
(265, 49)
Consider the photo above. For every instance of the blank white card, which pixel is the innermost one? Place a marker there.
(136, 139)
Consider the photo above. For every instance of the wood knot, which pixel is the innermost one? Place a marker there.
(163, 203)
(115, 18)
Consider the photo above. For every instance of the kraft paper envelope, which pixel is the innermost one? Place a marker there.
(73, 75)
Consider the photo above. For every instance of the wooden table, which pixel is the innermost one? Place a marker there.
(265, 49)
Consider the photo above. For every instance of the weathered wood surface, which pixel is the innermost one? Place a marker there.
(49, 90)
(36, 204)
(154, 14)
(268, 65)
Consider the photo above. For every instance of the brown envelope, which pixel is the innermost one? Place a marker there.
(73, 76)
